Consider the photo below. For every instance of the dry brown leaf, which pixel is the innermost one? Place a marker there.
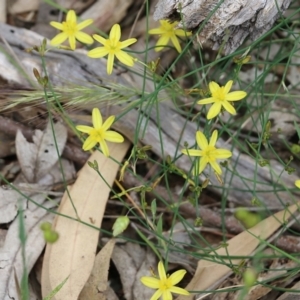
(38, 158)
(73, 254)
(96, 286)
(11, 265)
(208, 273)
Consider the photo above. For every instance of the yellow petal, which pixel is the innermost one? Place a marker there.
(222, 153)
(150, 282)
(161, 43)
(98, 52)
(178, 290)
(216, 167)
(176, 44)
(100, 39)
(214, 110)
(158, 30)
(229, 107)
(235, 96)
(108, 122)
(202, 164)
(104, 148)
(71, 16)
(201, 140)
(177, 276)
(125, 58)
(59, 39)
(84, 24)
(85, 129)
(56, 25)
(166, 295)
(96, 118)
(213, 87)
(228, 86)
(297, 183)
(206, 101)
(115, 33)
(161, 271)
(127, 43)
(183, 33)
(110, 63)
(89, 144)
(213, 138)
(72, 42)
(84, 38)
(156, 295)
(112, 136)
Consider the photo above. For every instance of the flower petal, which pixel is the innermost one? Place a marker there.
(229, 107)
(297, 183)
(222, 153)
(216, 167)
(97, 52)
(158, 30)
(161, 43)
(176, 43)
(181, 32)
(125, 58)
(161, 271)
(100, 39)
(201, 140)
(89, 143)
(84, 37)
(97, 118)
(108, 122)
(85, 129)
(84, 24)
(156, 295)
(56, 25)
(202, 164)
(72, 42)
(191, 152)
(213, 87)
(104, 148)
(110, 63)
(235, 96)
(71, 16)
(150, 282)
(166, 295)
(113, 136)
(115, 34)
(177, 276)
(59, 39)
(178, 290)
(228, 86)
(213, 139)
(206, 100)
(214, 110)
(127, 43)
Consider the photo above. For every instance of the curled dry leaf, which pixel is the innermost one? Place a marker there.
(36, 159)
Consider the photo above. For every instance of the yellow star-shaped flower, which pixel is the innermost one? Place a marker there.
(297, 183)
(113, 47)
(220, 97)
(168, 31)
(99, 133)
(72, 31)
(208, 153)
(165, 285)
